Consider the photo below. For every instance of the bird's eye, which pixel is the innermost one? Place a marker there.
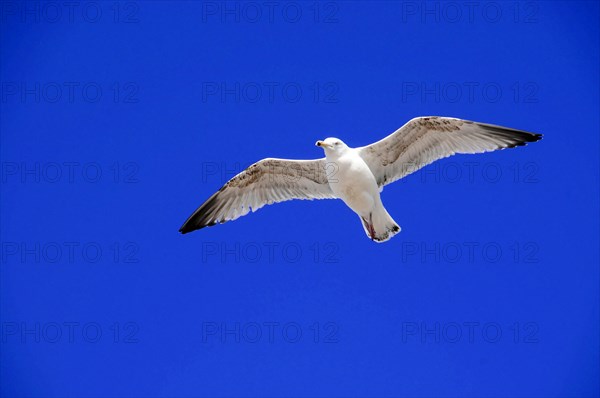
(337, 143)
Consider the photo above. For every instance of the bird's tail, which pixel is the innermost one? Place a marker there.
(380, 226)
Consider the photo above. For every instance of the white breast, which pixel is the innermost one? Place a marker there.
(353, 182)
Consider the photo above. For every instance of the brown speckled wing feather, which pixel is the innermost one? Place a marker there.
(424, 140)
(265, 182)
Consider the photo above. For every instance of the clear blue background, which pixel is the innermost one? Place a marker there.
(164, 135)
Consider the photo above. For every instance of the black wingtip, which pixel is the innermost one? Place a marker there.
(184, 229)
(520, 137)
(525, 138)
(529, 137)
(201, 217)
(188, 227)
(191, 224)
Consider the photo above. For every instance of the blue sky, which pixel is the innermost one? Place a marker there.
(118, 119)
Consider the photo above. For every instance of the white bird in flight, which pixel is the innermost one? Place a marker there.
(354, 175)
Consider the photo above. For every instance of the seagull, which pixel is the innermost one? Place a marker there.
(354, 175)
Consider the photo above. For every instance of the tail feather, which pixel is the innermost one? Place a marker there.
(380, 226)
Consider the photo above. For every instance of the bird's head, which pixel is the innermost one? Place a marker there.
(332, 146)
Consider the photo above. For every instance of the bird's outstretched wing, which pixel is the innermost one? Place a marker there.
(265, 182)
(424, 140)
